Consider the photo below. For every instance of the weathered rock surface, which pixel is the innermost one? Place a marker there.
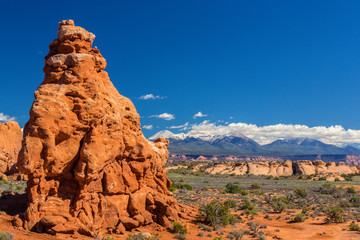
(89, 166)
(280, 168)
(10, 145)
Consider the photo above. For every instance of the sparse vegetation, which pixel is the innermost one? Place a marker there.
(335, 214)
(217, 214)
(6, 236)
(300, 217)
(179, 228)
(354, 227)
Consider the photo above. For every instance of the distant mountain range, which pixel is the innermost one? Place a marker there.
(237, 144)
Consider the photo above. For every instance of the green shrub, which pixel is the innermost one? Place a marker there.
(232, 188)
(300, 217)
(255, 186)
(279, 204)
(180, 236)
(355, 200)
(305, 209)
(134, 238)
(178, 228)
(301, 192)
(351, 190)
(335, 214)
(354, 227)
(217, 214)
(249, 208)
(231, 203)
(236, 235)
(205, 228)
(175, 186)
(6, 236)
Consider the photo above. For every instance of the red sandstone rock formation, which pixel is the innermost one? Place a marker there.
(10, 145)
(89, 166)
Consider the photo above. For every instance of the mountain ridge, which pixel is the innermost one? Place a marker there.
(235, 143)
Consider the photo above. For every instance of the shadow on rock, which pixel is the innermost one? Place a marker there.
(13, 204)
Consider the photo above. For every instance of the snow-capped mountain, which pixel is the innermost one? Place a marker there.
(235, 143)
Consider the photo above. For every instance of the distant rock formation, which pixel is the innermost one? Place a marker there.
(90, 168)
(285, 168)
(10, 145)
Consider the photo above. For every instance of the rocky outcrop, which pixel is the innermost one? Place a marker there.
(284, 168)
(10, 145)
(319, 167)
(90, 168)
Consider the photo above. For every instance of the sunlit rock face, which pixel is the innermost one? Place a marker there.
(90, 168)
(10, 145)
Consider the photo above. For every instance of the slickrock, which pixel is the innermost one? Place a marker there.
(282, 168)
(10, 145)
(90, 168)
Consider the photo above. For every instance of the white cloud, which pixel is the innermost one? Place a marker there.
(183, 127)
(151, 96)
(148, 127)
(199, 114)
(6, 118)
(336, 135)
(165, 116)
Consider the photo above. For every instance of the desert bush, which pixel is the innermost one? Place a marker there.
(300, 217)
(255, 186)
(355, 200)
(305, 209)
(6, 236)
(350, 190)
(354, 227)
(205, 228)
(201, 234)
(335, 214)
(178, 228)
(217, 214)
(180, 236)
(279, 204)
(138, 236)
(231, 203)
(260, 235)
(249, 208)
(236, 235)
(235, 189)
(301, 192)
(176, 186)
(326, 188)
(348, 178)
(135, 237)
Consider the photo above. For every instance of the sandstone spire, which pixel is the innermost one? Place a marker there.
(89, 166)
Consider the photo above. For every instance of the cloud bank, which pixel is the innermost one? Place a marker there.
(199, 114)
(148, 127)
(151, 96)
(165, 116)
(6, 118)
(335, 135)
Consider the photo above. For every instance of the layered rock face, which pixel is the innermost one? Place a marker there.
(10, 145)
(286, 168)
(89, 166)
(319, 167)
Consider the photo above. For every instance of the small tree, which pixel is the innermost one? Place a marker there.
(335, 214)
(217, 214)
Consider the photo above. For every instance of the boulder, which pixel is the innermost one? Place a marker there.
(10, 145)
(90, 168)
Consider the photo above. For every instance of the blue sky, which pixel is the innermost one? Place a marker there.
(254, 62)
